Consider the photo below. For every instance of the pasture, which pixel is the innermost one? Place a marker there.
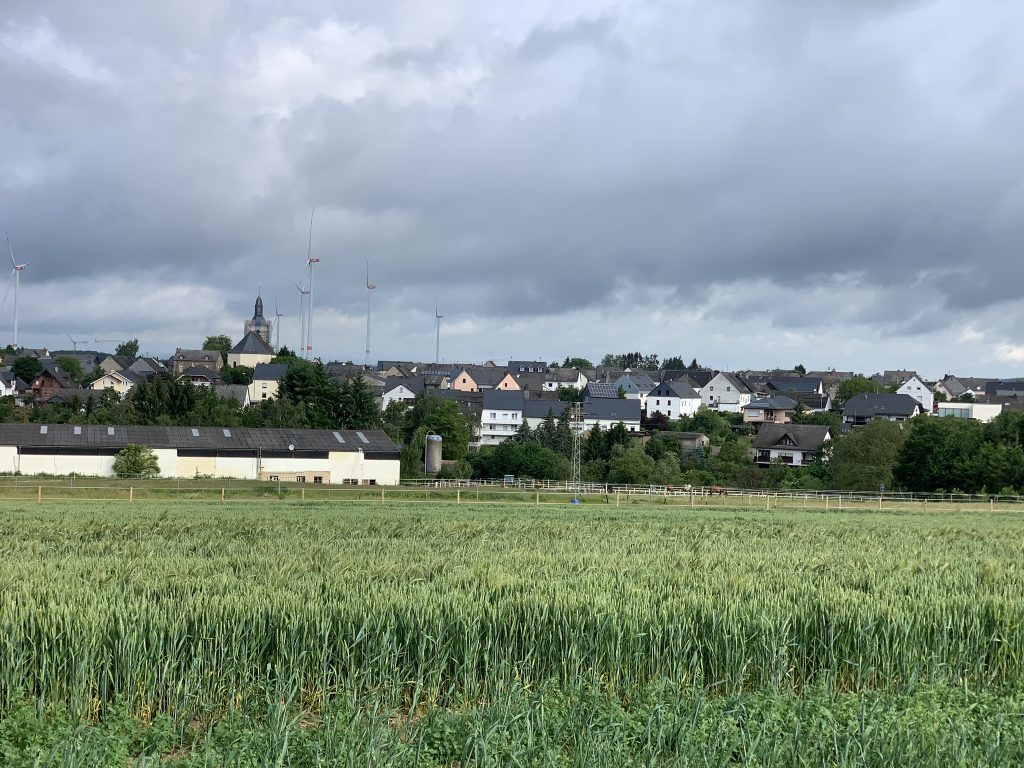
(337, 633)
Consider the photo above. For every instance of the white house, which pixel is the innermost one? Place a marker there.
(402, 389)
(918, 390)
(122, 382)
(674, 399)
(266, 379)
(984, 412)
(557, 378)
(601, 412)
(725, 392)
(502, 415)
(792, 444)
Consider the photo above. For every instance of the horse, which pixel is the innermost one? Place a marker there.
(718, 490)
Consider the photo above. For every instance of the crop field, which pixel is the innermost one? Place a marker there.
(209, 633)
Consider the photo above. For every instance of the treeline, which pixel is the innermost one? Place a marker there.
(307, 398)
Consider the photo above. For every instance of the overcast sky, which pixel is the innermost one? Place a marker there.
(838, 183)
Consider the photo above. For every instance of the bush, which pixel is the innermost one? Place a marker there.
(136, 460)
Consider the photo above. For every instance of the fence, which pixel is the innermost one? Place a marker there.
(30, 489)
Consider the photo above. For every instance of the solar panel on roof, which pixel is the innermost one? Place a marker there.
(339, 438)
(362, 437)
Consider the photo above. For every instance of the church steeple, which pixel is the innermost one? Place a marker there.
(259, 306)
(259, 324)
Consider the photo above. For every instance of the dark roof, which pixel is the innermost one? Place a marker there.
(806, 437)
(198, 370)
(884, 404)
(562, 374)
(269, 371)
(538, 366)
(413, 383)
(539, 409)
(678, 389)
(373, 441)
(795, 384)
(777, 402)
(69, 394)
(738, 384)
(236, 392)
(252, 344)
(59, 375)
(484, 377)
(1004, 387)
(638, 382)
(609, 408)
(504, 399)
(600, 389)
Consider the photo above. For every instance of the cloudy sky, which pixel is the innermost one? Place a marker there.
(750, 183)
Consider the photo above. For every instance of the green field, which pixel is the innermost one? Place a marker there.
(223, 633)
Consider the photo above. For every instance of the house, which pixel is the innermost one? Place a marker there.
(893, 378)
(688, 441)
(920, 391)
(602, 412)
(39, 354)
(805, 384)
(811, 402)
(695, 377)
(502, 415)
(401, 389)
(983, 412)
(470, 405)
(673, 399)
(725, 392)
(558, 378)
(195, 358)
(147, 367)
(953, 387)
(122, 382)
(266, 378)
(296, 455)
(111, 363)
(71, 396)
(527, 366)
(250, 351)
(477, 379)
(524, 382)
(792, 444)
(777, 409)
(237, 392)
(49, 380)
(868, 407)
(86, 360)
(1005, 388)
(535, 412)
(200, 376)
(635, 386)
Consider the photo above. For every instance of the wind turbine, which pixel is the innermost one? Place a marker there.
(369, 293)
(16, 270)
(302, 319)
(437, 342)
(310, 261)
(75, 342)
(277, 326)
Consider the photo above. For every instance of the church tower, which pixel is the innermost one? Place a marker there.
(259, 324)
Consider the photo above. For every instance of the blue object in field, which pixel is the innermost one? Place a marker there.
(575, 501)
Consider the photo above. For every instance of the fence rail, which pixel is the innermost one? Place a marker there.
(28, 489)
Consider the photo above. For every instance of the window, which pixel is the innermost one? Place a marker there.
(274, 477)
(728, 389)
(300, 478)
(494, 415)
(264, 385)
(657, 402)
(318, 479)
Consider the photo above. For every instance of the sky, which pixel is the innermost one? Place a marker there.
(753, 184)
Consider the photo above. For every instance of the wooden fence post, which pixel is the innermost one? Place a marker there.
(39, 493)
(382, 495)
(458, 495)
(131, 494)
(826, 503)
(222, 494)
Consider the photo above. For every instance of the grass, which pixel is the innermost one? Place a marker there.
(198, 633)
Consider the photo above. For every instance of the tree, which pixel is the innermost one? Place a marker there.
(136, 461)
(857, 385)
(27, 368)
(694, 365)
(72, 368)
(308, 384)
(129, 349)
(863, 458)
(799, 368)
(673, 363)
(576, 362)
(429, 413)
(570, 394)
(630, 465)
(941, 453)
(631, 360)
(220, 343)
(359, 409)
(238, 374)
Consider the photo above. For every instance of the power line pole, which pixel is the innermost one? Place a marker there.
(576, 424)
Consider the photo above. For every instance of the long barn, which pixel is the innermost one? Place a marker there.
(366, 457)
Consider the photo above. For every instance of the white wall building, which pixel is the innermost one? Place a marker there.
(725, 392)
(674, 399)
(918, 390)
(984, 412)
(502, 415)
(366, 457)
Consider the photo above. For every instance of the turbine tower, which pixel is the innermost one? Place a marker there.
(437, 340)
(369, 293)
(16, 270)
(302, 319)
(75, 342)
(310, 261)
(277, 327)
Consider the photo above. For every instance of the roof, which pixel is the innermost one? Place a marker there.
(806, 437)
(504, 399)
(69, 394)
(567, 375)
(795, 384)
(484, 377)
(197, 355)
(607, 408)
(884, 404)
(237, 392)
(252, 344)
(269, 371)
(528, 366)
(198, 370)
(635, 382)
(374, 442)
(776, 402)
(735, 381)
(680, 389)
(413, 383)
(50, 366)
(539, 409)
(600, 389)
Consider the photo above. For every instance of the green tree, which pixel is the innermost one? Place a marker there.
(72, 368)
(393, 420)
(129, 349)
(674, 363)
(238, 374)
(577, 362)
(136, 461)
(429, 413)
(26, 368)
(570, 394)
(799, 368)
(940, 453)
(308, 384)
(863, 458)
(359, 409)
(630, 465)
(857, 385)
(220, 344)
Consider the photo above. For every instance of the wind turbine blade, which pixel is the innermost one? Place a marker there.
(10, 250)
(9, 279)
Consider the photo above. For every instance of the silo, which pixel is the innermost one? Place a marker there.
(433, 460)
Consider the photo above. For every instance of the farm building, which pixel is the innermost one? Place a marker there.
(304, 455)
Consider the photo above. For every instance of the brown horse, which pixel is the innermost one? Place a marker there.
(718, 490)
